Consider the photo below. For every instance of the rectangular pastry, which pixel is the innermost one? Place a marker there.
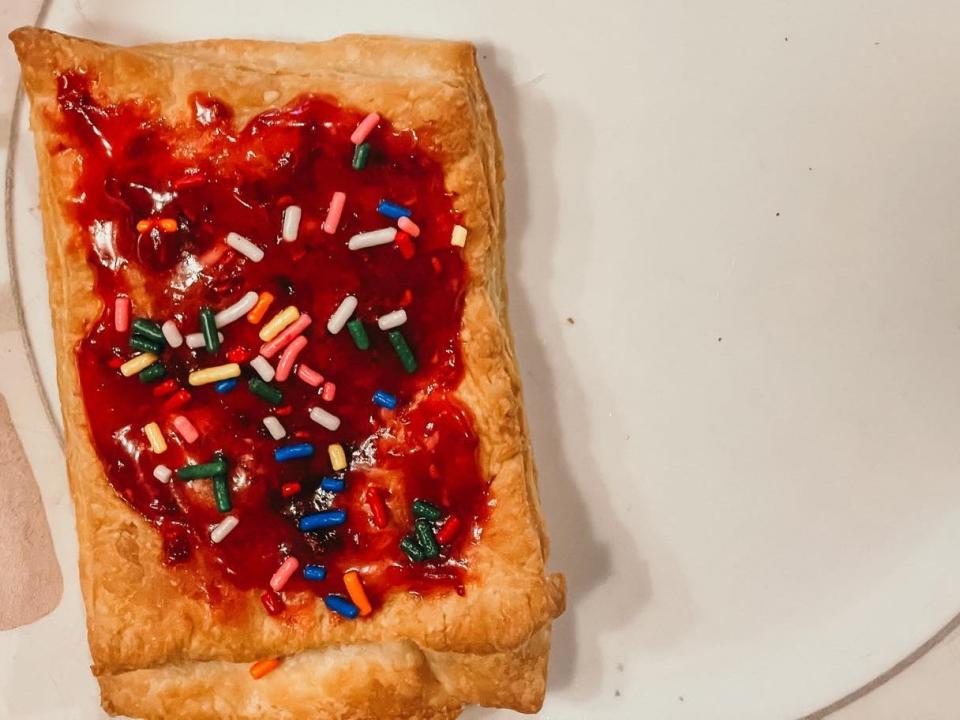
(294, 428)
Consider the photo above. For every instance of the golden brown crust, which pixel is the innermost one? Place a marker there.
(140, 613)
(387, 681)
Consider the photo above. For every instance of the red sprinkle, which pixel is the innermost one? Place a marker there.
(165, 388)
(329, 391)
(448, 530)
(289, 489)
(272, 602)
(239, 354)
(437, 267)
(188, 181)
(115, 362)
(407, 298)
(175, 401)
(404, 244)
(378, 508)
(283, 411)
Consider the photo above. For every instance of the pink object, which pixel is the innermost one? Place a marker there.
(186, 429)
(268, 350)
(409, 227)
(288, 357)
(309, 375)
(329, 391)
(213, 255)
(286, 570)
(365, 127)
(334, 212)
(121, 313)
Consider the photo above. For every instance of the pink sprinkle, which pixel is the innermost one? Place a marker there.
(408, 226)
(121, 313)
(186, 429)
(334, 212)
(309, 375)
(213, 255)
(329, 391)
(286, 570)
(268, 350)
(288, 357)
(365, 127)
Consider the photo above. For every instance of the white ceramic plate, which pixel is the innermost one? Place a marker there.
(735, 285)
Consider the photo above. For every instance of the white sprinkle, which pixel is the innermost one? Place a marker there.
(459, 236)
(372, 238)
(274, 427)
(323, 418)
(392, 319)
(270, 95)
(236, 311)
(263, 367)
(171, 334)
(162, 473)
(223, 528)
(291, 222)
(341, 314)
(244, 246)
(195, 340)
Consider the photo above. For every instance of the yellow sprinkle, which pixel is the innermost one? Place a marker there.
(278, 322)
(214, 374)
(459, 236)
(157, 443)
(137, 363)
(338, 459)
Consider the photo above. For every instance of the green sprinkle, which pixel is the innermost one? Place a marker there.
(360, 156)
(208, 326)
(359, 334)
(204, 470)
(403, 350)
(424, 509)
(221, 493)
(147, 328)
(425, 537)
(152, 373)
(412, 548)
(265, 390)
(145, 344)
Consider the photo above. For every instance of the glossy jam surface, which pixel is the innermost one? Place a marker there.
(214, 177)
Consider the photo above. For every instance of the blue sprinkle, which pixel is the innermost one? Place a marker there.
(331, 484)
(340, 605)
(293, 452)
(325, 519)
(392, 210)
(314, 572)
(225, 386)
(385, 399)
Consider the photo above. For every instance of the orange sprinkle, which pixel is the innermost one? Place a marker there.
(168, 225)
(264, 667)
(351, 580)
(144, 225)
(260, 309)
